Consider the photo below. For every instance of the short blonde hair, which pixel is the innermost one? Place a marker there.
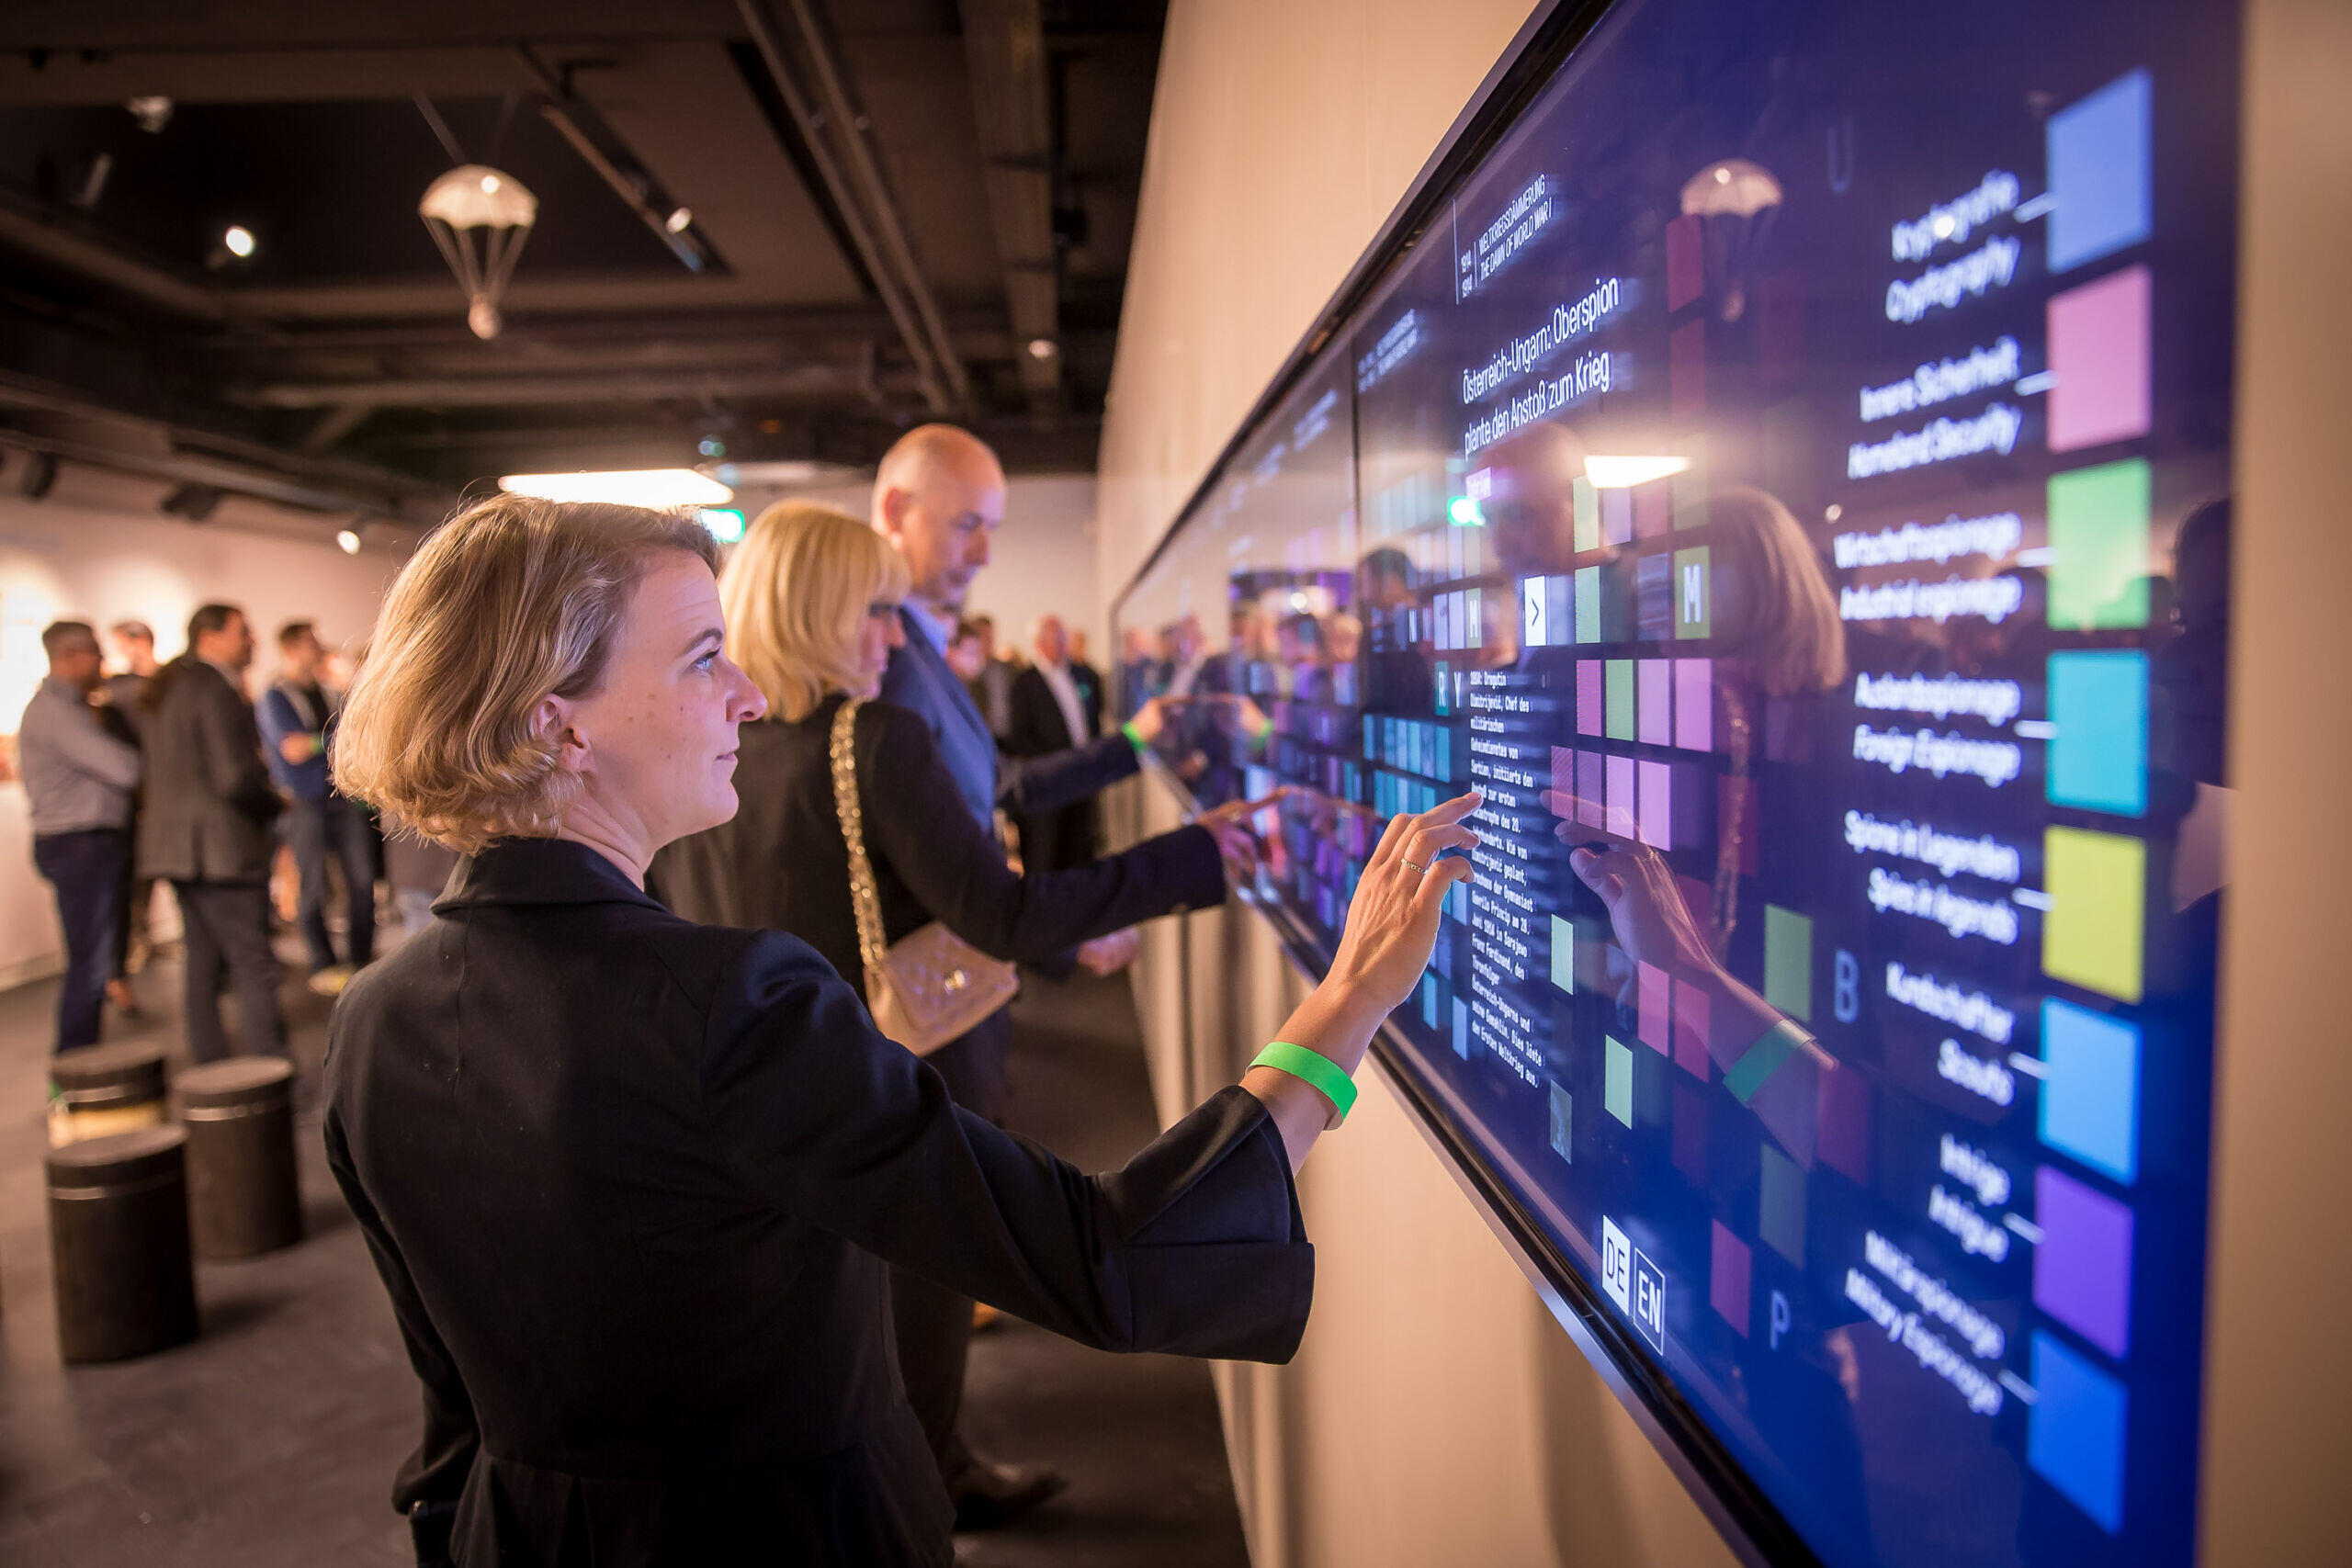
(1773, 605)
(510, 602)
(795, 591)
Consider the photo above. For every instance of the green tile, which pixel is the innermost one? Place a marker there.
(1563, 1120)
(1788, 961)
(1779, 1218)
(1588, 603)
(1564, 955)
(1694, 603)
(1587, 500)
(1620, 678)
(2098, 542)
(1618, 1082)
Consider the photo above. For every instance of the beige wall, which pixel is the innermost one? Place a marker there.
(2279, 1411)
(1436, 1414)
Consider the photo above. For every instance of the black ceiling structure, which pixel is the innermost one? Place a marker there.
(768, 232)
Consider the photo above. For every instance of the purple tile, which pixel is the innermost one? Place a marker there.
(1694, 703)
(1727, 1278)
(2082, 1266)
(1652, 1015)
(1590, 705)
(1657, 806)
(1620, 797)
(1655, 705)
(1692, 1012)
(1590, 812)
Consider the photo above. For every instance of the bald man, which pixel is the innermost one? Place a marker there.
(939, 499)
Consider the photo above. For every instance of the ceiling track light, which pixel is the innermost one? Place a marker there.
(196, 502)
(348, 540)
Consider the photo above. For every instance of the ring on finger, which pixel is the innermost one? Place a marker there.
(1418, 868)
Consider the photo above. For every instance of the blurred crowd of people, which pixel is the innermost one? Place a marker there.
(188, 772)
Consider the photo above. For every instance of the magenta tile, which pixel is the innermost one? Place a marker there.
(1654, 679)
(1844, 1142)
(1691, 1023)
(1653, 510)
(1686, 351)
(1653, 1016)
(2098, 352)
(1657, 806)
(1686, 260)
(1591, 705)
(1694, 703)
(1621, 806)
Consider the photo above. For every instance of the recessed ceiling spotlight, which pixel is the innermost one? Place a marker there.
(152, 111)
(1041, 348)
(238, 241)
(347, 539)
(679, 221)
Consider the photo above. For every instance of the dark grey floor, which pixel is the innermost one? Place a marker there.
(271, 1441)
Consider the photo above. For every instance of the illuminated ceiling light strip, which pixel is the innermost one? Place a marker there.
(1623, 473)
(624, 487)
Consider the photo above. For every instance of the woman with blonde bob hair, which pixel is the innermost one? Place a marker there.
(812, 615)
(632, 1183)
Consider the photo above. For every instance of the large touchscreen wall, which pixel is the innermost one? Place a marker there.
(1789, 478)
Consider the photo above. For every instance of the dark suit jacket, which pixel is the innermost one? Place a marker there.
(1090, 695)
(209, 802)
(782, 863)
(1064, 837)
(918, 678)
(1038, 728)
(631, 1183)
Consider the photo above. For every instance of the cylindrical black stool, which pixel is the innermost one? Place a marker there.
(118, 1247)
(244, 1194)
(100, 1090)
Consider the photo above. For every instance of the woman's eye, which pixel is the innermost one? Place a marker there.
(705, 662)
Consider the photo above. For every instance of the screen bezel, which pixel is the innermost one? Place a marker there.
(1751, 1525)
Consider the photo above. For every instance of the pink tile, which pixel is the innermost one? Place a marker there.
(1727, 1278)
(1653, 509)
(1691, 1014)
(1653, 1015)
(1694, 703)
(1844, 1120)
(1617, 516)
(1590, 706)
(1655, 684)
(1657, 806)
(1591, 791)
(2098, 352)
(1621, 806)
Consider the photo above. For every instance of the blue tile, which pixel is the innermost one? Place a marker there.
(2098, 759)
(2100, 171)
(2090, 1091)
(2075, 1434)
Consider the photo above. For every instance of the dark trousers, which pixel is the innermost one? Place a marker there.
(228, 923)
(86, 870)
(316, 830)
(934, 1323)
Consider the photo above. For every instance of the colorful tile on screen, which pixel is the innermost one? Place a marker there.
(1621, 804)
(1617, 515)
(1686, 269)
(2099, 541)
(1654, 598)
(1686, 353)
(1788, 961)
(1691, 494)
(1692, 1022)
(1843, 1123)
(1592, 790)
(1562, 1118)
(1619, 674)
(1617, 1080)
(2098, 704)
(1693, 603)
(1592, 716)
(2082, 1265)
(1588, 514)
(1727, 1277)
(2075, 1430)
(2090, 1099)
(1564, 955)
(2098, 352)
(1588, 628)
(2091, 935)
(1653, 1013)
(1655, 784)
(2101, 173)
(1653, 509)
(1694, 703)
(1461, 1029)
(1654, 684)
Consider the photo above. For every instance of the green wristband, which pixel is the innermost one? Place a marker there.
(1316, 1069)
(1763, 1059)
(1134, 740)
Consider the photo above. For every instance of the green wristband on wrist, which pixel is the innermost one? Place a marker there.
(1316, 1070)
(1763, 1059)
(1135, 739)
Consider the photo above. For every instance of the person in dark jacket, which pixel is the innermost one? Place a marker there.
(812, 599)
(297, 716)
(1049, 715)
(205, 827)
(1092, 695)
(632, 1183)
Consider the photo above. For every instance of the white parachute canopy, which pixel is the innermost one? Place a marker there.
(480, 217)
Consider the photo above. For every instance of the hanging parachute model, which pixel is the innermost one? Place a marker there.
(480, 217)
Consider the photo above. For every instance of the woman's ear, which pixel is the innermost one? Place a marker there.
(552, 720)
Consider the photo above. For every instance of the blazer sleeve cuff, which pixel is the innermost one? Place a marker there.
(1216, 1259)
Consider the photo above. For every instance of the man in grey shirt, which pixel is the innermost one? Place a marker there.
(80, 781)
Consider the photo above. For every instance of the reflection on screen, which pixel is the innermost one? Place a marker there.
(1789, 479)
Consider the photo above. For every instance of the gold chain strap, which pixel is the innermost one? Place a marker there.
(864, 900)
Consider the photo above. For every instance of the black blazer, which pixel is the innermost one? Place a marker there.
(209, 803)
(1038, 728)
(782, 862)
(1089, 694)
(631, 1183)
